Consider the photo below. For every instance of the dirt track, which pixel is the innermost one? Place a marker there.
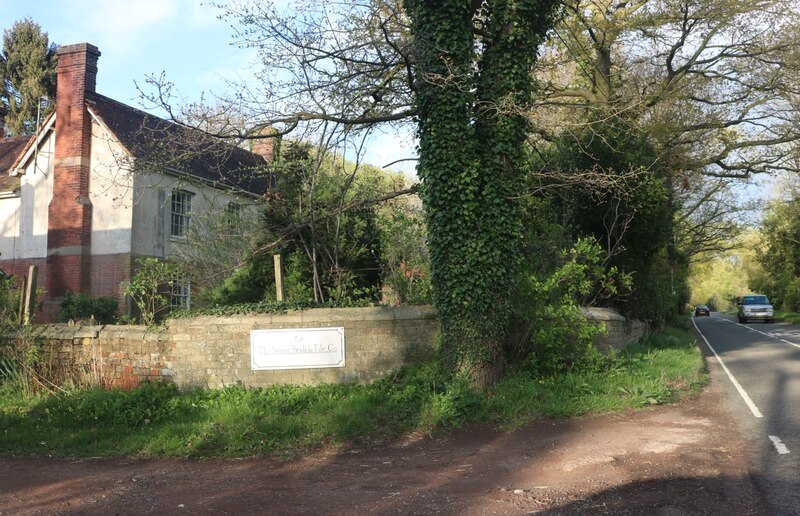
(669, 460)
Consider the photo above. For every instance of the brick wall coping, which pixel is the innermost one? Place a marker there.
(64, 331)
(314, 315)
(602, 314)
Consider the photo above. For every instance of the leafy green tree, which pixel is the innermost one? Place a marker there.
(705, 78)
(27, 73)
(713, 91)
(628, 210)
(718, 278)
(780, 253)
(561, 337)
(323, 219)
(404, 255)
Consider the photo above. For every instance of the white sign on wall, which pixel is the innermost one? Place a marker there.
(297, 348)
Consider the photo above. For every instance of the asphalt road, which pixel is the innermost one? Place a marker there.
(762, 362)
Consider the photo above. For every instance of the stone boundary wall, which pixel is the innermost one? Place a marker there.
(215, 351)
(620, 332)
(110, 356)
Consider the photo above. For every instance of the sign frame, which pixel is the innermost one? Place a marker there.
(297, 348)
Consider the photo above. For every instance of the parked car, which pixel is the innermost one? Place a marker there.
(702, 310)
(756, 307)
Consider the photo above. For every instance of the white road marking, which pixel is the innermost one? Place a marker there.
(775, 336)
(748, 401)
(779, 446)
(792, 343)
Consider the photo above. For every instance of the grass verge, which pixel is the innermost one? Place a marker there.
(789, 317)
(157, 420)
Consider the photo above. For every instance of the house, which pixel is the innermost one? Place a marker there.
(101, 184)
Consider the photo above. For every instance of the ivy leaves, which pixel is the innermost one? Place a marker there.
(473, 82)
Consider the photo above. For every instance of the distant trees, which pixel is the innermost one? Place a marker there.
(779, 253)
(27, 73)
(718, 278)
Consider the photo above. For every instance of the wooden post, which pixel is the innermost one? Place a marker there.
(21, 307)
(30, 293)
(279, 292)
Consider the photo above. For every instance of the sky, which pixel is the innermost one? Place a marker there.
(184, 39)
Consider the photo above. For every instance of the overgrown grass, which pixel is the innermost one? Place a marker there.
(157, 420)
(657, 370)
(790, 317)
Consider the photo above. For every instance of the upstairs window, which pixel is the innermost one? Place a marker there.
(181, 213)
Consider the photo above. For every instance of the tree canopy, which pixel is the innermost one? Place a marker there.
(27, 74)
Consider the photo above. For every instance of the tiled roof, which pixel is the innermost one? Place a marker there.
(10, 150)
(166, 146)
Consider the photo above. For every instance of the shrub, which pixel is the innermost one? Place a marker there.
(146, 288)
(81, 306)
(560, 336)
(8, 302)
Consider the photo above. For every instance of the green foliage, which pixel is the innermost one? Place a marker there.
(97, 407)
(561, 338)
(150, 287)
(779, 254)
(717, 279)
(404, 257)
(9, 303)
(82, 306)
(471, 93)
(22, 370)
(323, 220)
(659, 369)
(247, 284)
(27, 72)
(264, 307)
(157, 420)
(629, 209)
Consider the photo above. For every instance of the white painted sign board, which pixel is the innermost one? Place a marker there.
(297, 348)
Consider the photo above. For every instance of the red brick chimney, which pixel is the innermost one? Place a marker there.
(265, 147)
(69, 227)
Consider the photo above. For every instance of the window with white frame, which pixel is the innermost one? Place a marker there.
(181, 294)
(181, 209)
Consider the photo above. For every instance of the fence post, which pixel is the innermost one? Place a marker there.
(30, 294)
(21, 306)
(279, 292)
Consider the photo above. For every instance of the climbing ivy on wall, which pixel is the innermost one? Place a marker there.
(473, 85)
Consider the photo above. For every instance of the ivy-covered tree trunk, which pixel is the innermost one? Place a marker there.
(473, 86)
